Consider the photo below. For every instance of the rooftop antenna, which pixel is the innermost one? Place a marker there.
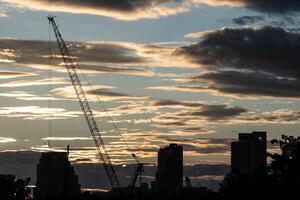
(68, 150)
(50, 57)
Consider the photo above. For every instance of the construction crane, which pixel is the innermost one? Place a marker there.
(138, 171)
(188, 182)
(88, 113)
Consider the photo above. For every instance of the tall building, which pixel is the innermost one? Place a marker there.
(249, 153)
(55, 176)
(169, 174)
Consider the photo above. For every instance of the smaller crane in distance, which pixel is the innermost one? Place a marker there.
(88, 114)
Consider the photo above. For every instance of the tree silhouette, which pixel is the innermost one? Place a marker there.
(281, 181)
(12, 189)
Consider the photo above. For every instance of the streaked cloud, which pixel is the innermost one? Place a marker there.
(123, 10)
(27, 83)
(172, 103)
(219, 112)
(143, 9)
(65, 138)
(280, 116)
(7, 140)
(6, 74)
(23, 95)
(93, 57)
(37, 113)
(104, 92)
(2, 12)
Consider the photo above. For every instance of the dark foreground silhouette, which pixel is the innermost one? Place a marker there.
(12, 188)
(281, 181)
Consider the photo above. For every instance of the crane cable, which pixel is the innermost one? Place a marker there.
(109, 116)
(50, 86)
(98, 98)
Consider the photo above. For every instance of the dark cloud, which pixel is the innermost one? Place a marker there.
(245, 20)
(248, 61)
(205, 145)
(166, 102)
(286, 21)
(190, 119)
(196, 129)
(104, 53)
(107, 93)
(152, 8)
(121, 70)
(219, 112)
(90, 56)
(122, 6)
(282, 116)
(248, 84)
(206, 150)
(30, 51)
(266, 48)
(270, 6)
(174, 123)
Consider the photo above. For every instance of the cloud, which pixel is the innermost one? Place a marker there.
(37, 52)
(6, 74)
(7, 140)
(198, 34)
(236, 48)
(122, 10)
(2, 11)
(195, 119)
(204, 145)
(92, 57)
(245, 20)
(268, 6)
(143, 9)
(247, 84)
(172, 103)
(281, 116)
(37, 113)
(289, 22)
(104, 92)
(249, 61)
(219, 112)
(26, 83)
(120, 70)
(65, 138)
(23, 95)
(191, 120)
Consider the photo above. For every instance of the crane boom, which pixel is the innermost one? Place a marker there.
(85, 106)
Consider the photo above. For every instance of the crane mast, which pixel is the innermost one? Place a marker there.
(85, 106)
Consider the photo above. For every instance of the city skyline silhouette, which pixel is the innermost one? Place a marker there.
(191, 98)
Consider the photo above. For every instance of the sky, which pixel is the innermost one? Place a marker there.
(192, 72)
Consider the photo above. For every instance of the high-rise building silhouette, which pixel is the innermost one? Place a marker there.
(169, 176)
(249, 153)
(55, 176)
